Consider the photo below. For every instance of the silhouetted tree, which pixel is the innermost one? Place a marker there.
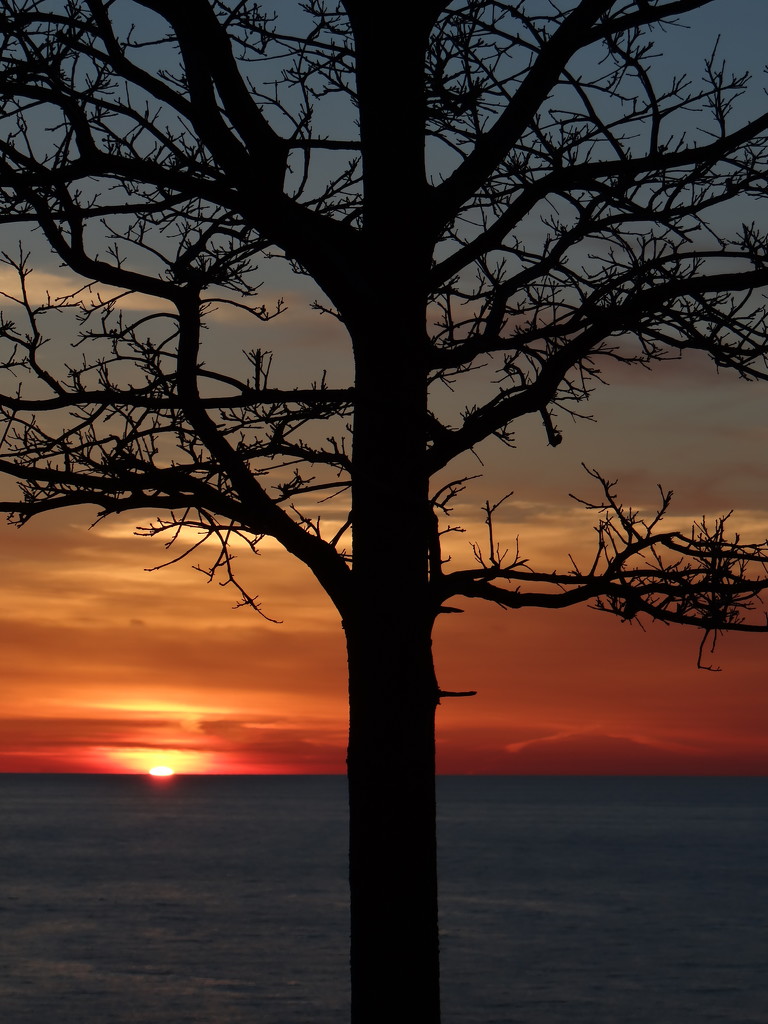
(508, 194)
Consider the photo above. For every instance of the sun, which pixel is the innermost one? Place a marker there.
(161, 769)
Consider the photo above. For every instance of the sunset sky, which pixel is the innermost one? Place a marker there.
(110, 668)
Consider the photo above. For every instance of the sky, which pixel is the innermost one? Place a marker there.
(108, 667)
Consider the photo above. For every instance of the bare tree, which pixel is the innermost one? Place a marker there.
(504, 198)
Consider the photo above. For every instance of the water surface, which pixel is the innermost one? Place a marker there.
(199, 900)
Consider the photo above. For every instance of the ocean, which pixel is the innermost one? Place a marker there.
(222, 900)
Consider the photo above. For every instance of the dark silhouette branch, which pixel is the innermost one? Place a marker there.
(704, 579)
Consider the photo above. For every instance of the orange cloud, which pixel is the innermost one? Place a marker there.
(594, 753)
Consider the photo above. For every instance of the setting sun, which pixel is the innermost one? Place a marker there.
(161, 770)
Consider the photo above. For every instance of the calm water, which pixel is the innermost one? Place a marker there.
(222, 900)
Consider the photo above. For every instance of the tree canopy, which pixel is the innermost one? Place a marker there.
(556, 223)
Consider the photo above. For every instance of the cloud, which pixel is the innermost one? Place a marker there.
(59, 571)
(136, 743)
(44, 286)
(598, 753)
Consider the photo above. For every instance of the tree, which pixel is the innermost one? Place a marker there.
(515, 201)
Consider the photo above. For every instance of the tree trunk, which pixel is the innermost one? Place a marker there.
(393, 868)
(392, 686)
